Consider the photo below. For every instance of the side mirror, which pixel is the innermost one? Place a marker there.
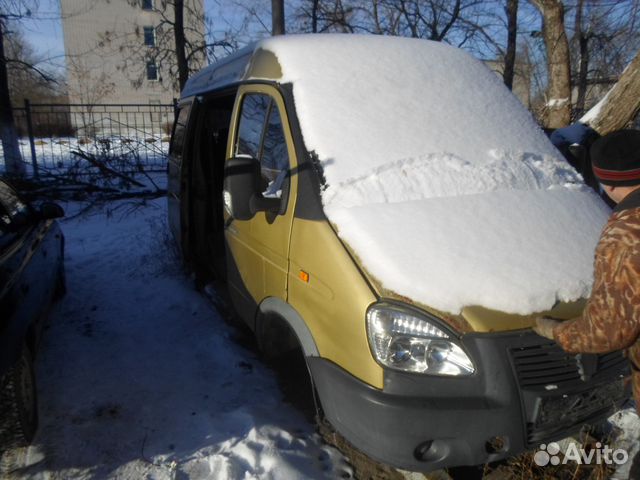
(242, 195)
(50, 210)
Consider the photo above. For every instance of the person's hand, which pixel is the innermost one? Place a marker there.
(544, 327)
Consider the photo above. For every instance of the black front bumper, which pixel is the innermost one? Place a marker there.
(525, 391)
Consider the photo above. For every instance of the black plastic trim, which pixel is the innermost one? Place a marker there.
(447, 421)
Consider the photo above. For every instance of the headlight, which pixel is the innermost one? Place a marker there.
(404, 340)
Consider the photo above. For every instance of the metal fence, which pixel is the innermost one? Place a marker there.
(56, 137)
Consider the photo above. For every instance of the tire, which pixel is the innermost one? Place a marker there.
(634, 471)
(18, 404)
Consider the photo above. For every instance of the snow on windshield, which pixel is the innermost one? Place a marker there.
(398, 124)
(366, 102)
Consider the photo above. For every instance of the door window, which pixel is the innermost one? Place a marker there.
(261, 136)
(254, 113)
(274, 162)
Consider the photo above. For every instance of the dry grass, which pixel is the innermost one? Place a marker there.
(364, 468)
(523, 467)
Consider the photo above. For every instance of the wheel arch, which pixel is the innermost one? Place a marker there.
(270, 311)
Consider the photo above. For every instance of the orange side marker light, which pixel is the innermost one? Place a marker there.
(304, 276)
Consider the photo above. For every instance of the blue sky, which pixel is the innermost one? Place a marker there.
(44, 31)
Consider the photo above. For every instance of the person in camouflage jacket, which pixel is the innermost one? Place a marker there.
(611, 318)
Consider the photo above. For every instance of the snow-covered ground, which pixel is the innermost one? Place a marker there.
(140, 377)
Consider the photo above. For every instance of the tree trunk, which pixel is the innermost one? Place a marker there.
(583, 67)
(12, 158)
(558, 62)
(512, 30)
(582, 74)
(314, 16)
(621, 105)
(277, 17)
(178, 30)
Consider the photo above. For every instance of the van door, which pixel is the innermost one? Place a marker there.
(258, 249)
(176, 182)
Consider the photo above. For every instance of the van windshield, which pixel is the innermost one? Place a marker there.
(386, 115)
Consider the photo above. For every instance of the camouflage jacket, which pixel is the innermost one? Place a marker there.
(611, 318)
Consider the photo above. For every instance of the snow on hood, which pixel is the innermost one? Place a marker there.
(513, 251)
(437, 176)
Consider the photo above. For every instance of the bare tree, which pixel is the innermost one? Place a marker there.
(179, 47)
(558, 61)
(180, 42)
(621, 105)
(429, 19)
(511, 11)
(463, 23)
(26, 80)
(330, 16)
(91, 88)
(10, 10)
(277, 17)
(12, 158)
(581, 41)
(605, 38)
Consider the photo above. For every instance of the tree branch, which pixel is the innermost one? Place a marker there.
(44, 76)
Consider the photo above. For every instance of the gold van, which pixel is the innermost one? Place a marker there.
(416, 381)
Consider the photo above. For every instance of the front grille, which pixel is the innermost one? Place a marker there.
(544, 365)
(557, 414)
(563, 391)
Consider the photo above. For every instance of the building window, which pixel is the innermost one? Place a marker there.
(150, 36)
(152, 70)
(147, 4)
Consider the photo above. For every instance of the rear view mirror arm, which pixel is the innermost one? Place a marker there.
(259, 203)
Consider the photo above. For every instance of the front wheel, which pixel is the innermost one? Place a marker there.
(18, 404)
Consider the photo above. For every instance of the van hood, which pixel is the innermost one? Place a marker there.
(512, 251)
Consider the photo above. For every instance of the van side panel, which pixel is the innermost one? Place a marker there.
(335, 299)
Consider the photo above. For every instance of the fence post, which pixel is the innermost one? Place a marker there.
(34, 160)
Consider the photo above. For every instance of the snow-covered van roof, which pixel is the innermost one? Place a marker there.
(436, 175)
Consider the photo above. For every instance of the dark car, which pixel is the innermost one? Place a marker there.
(31, 276)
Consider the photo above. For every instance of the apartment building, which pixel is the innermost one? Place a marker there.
(121, 51)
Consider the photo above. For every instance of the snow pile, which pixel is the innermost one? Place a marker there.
(628, 438)
(438, 177)
(594, 112)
